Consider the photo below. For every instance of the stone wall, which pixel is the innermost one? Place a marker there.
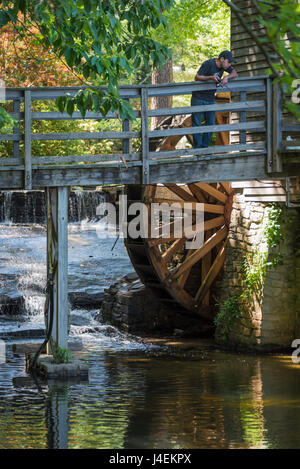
(270, 320)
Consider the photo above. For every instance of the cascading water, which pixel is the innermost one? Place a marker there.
(93, 265)
(5, 206)
(24, 207)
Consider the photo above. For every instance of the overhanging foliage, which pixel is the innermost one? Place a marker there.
(103, 41)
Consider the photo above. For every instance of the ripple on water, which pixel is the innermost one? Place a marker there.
(137, 395)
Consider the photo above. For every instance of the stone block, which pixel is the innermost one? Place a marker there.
(235, 215)
(257, 315)
(246, 223)
(258, 209)
(246, 322)
(256, 324)
(49, 370)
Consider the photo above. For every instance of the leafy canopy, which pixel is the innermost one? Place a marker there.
(197, 30)
(104, 41)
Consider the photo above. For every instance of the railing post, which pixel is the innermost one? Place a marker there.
(27, 140)
(126, 126)
(243, 118)
(276, 127)
(145, 135)
(16, 130)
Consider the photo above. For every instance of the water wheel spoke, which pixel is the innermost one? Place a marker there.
(212, 274)
(162, 200)
(190, 231)
(212, 208)
(182, 193)
(227, 187)
(207, 208)
(173, 249)
(208, 245)
(156, 241)
(161, 229)
(205, 266)
(183, 278)
(213, 192)
(197, 192)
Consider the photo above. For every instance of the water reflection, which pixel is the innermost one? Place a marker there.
(57, 415)
(150, 398)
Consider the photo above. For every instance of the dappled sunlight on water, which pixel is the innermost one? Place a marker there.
(141, 393)
(143, 396)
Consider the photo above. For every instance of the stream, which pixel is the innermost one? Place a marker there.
(141, 393)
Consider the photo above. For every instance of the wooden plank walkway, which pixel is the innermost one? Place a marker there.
(268, 155)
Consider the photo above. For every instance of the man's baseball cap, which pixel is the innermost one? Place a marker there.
(227, 55)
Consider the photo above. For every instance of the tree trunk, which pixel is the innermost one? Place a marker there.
(161, 75)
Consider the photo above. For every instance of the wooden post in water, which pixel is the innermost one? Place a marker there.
(57, 262)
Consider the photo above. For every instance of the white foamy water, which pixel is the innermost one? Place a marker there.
(99, 336)
(94, 264)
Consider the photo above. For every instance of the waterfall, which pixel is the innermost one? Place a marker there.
(26, 207)
(83, 204)
(23, 252)
(5, 206)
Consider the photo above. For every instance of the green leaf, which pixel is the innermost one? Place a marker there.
(61, 103)
(4, 18)
(86, 71)
(70, 56)
(87, 5)
(70, 106)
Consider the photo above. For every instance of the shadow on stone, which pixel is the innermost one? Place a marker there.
(132, 307)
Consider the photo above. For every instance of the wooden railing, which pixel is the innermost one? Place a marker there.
(258, 126)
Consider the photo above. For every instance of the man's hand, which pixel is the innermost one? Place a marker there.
(229, 77)
(224, 81)
(215, 78)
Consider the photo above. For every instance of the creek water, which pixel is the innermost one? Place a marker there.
(140, 393)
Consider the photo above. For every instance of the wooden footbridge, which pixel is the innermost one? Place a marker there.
(263, 145)
(262, 148)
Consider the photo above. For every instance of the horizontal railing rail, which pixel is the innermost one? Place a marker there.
(258, 127)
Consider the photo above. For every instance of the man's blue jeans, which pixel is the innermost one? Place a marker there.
(202, 140)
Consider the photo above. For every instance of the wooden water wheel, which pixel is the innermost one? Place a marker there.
(174, 273)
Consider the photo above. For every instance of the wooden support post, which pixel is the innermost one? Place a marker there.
(27, 140)
(57, 260)
(145, 135)
(276, 127)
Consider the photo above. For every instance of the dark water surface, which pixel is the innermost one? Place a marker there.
(138, 395)
(143, 397)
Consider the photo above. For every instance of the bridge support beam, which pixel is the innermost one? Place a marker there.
(57, 265)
